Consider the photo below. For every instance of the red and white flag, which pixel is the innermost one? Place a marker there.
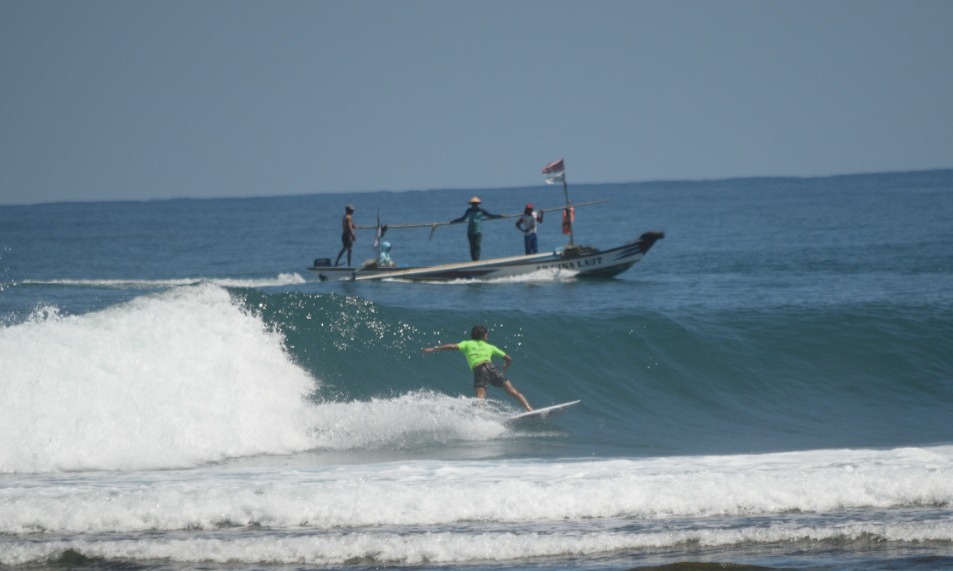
(555, 172)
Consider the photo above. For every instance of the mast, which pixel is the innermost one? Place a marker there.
(569, 212)
(556, 171)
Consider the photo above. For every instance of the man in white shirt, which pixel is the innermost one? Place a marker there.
(527, 225)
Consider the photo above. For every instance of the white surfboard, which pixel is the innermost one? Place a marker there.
(541, 413)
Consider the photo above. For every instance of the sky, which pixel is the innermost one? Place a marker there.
(142, 100)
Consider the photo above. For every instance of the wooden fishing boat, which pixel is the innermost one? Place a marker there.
(580, 261)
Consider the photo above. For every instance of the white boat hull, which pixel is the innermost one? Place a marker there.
(582, 261)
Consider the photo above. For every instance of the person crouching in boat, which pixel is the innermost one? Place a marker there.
(383, 259)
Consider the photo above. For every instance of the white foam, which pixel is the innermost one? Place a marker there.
(171, 379)
(446, 493)
(448, 547)
(277, 281)
(544, 275)
(413, 420)
(548, 275)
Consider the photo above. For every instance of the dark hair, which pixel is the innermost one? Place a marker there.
(478, 332)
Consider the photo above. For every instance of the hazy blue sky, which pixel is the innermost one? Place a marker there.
(106, 100)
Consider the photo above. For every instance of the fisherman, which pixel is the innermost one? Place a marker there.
(348, 237)
(527, 225)
(474, 216)
(479, 354)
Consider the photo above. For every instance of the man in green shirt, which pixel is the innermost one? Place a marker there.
(473, 217)
(479, 355)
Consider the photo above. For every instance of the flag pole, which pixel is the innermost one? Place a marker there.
(557, 170)
(568, 214)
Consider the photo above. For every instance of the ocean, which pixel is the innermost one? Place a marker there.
(771, 387)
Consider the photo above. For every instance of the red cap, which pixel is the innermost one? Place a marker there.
(529, 206)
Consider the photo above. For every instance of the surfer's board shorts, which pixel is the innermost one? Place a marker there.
(487, 374)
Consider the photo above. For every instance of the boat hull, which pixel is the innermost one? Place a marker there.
(581, 261)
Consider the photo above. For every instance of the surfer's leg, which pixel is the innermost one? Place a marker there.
(511, 390)
(479, 381)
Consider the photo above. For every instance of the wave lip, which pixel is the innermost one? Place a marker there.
(167, 380)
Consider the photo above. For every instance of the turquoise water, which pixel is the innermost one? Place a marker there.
(769, 387)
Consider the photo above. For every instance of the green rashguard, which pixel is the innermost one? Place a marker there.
(477, 351)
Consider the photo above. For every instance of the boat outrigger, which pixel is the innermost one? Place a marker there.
(581, 261)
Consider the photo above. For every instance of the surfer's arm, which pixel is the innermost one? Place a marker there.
(445, 347)
(506, 361)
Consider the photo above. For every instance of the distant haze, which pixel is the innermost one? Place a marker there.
(115, 100)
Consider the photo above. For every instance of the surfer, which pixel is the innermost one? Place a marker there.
(474, 216)
(479, 354)
(348, 237)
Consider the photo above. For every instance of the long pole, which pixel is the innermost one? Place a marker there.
(514, 215)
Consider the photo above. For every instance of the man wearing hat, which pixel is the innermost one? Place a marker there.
(474, 216)
(527, 225)
(348, 237)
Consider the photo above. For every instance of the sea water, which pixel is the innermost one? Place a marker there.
(770, 387)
